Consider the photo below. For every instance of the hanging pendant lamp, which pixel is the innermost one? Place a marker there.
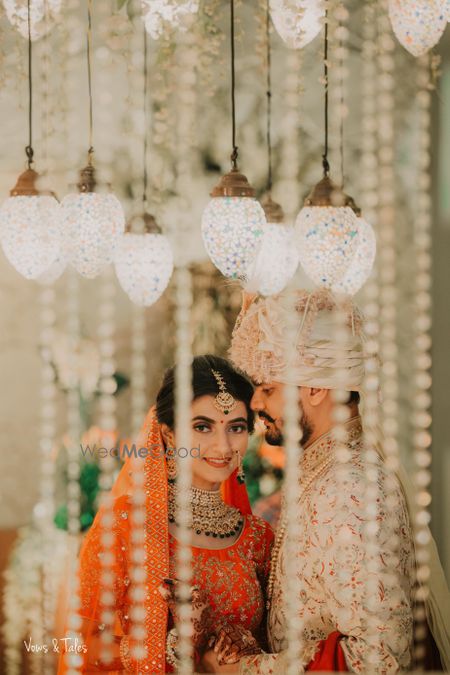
(418, 24)
(92, 221)
(297, 22)
(361, 263)
(277, 259)
(43, 16)
(160, 14)
(233, 223)
(326, 226)
(144, 259)
(144, 263)
(29, 218)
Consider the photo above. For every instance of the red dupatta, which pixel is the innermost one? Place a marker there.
(156, 549)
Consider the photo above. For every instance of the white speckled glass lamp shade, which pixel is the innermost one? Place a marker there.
(418, 24)
(30, 230)
(336, 247)
(93, 223)
(297, 22)
(277, 258)
(144, 265)
(233, 224)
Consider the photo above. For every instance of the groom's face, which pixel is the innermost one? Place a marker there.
(268, 402)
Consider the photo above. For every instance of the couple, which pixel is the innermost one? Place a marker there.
(235, 574)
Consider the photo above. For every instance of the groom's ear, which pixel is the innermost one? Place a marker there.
(316, 395)
(168, 436)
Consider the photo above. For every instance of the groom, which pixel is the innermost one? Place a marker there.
(354, 601)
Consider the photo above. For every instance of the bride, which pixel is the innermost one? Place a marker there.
(230, 547)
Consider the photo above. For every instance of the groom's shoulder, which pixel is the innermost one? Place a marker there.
(343, 487)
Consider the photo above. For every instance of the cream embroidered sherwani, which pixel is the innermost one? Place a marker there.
(334, 565)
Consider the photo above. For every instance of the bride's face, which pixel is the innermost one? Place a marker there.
(220, 438)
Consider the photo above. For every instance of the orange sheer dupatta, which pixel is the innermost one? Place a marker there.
(156, 546)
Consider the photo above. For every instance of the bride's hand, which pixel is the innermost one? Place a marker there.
(233, 642)
(200, 609)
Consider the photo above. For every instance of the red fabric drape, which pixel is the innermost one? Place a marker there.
(329, 656)
(235, 494)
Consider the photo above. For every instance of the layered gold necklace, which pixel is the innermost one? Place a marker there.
(210, 515)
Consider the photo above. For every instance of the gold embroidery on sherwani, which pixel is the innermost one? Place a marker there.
(333, 563)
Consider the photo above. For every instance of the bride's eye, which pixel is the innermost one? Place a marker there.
(238, 428)
(202, 427)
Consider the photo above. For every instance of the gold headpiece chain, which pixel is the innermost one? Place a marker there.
(224, 401)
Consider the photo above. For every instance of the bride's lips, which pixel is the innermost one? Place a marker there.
(217, 463)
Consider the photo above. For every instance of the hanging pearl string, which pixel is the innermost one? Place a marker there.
(101, 93)
(337, 55)
(184, 472)
(73, 661)
(163, 135)
(18, 76)
(60, 105)
(46, 504)
(70, 121)
(293, 452)
(13, 612)
(211, 39)
(186, 85)
(369, 199)
(138, 370)
(388, 296)
(421, 399)
(287, 183)
(337, 69)
(107, 424)
(137, 73)
(44, 62)
(138, 122)
(186, 73)
(138, 568)
(341, 411)
(387, 251)
(135, 119)
(35, 615)
(335, 84)
(339, 90)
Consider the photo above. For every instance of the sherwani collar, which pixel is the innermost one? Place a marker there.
(319, 451)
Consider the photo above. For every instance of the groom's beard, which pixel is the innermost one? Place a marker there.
(275, 437)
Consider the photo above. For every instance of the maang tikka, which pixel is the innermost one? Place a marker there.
(224, 401)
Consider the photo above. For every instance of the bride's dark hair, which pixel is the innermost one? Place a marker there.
(204, 384)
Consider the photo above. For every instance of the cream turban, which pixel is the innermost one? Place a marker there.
(259, 342)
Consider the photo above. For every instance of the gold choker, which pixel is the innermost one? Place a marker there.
(210, 515)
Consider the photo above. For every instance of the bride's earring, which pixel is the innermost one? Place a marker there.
(240, 473)
(169, 446)
(171, 470)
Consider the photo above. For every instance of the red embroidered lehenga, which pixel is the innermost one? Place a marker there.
(232, 579)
